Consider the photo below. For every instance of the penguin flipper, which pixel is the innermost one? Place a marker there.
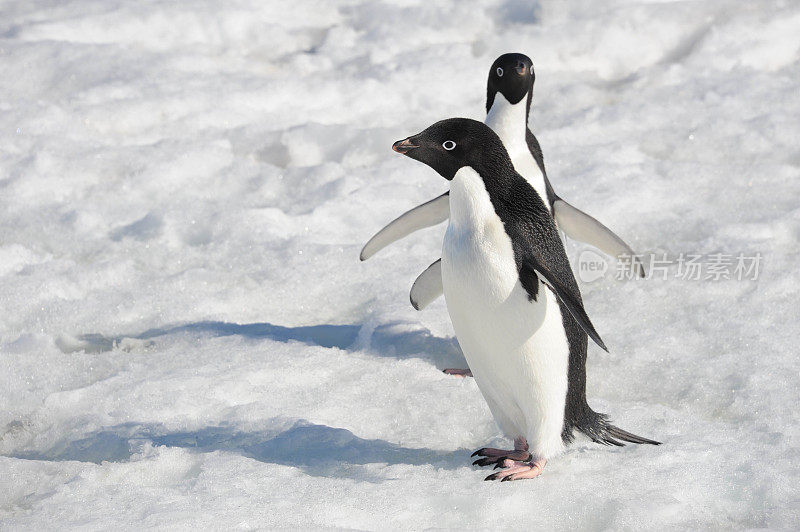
(529, 279)
(428, 214)
(581, 227)
(428, 286)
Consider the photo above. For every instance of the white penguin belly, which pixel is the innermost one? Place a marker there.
(517, 349)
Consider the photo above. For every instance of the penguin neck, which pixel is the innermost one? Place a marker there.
(509, 121)
(469, 200)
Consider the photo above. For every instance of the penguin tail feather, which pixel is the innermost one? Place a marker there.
(614, 436)
(605, 433)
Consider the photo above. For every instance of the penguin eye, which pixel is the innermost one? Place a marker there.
(448, 145)
(499, 72)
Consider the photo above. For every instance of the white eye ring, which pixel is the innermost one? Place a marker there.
(531, 70)
(499, 72)
(449, 145)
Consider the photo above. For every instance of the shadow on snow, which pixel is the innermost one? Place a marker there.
(318, 450)
(388, 340)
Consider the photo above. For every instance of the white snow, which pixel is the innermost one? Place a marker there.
(188, 339)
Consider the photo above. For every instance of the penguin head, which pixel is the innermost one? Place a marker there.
(449, 145)
(512, 76)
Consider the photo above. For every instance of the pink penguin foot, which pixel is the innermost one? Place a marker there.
(516, 470)
(497, 456)
(458, 372)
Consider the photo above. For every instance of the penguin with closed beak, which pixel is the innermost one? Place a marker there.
(513, 300)
(509, 93)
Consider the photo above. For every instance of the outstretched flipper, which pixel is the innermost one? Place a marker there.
(428, 286)
(428, 214)
(529, 278)
(581, 227)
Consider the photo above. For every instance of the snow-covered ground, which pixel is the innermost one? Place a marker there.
(188, 339)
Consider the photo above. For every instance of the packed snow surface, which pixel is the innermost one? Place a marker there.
(188, 339)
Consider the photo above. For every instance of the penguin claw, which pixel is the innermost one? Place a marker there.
(517, 461)
(516, 470)
(499, 456)
(482, 462)
(520, 451)
(492, 453)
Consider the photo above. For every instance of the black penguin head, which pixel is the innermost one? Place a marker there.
(449, 145)
(512, 76)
